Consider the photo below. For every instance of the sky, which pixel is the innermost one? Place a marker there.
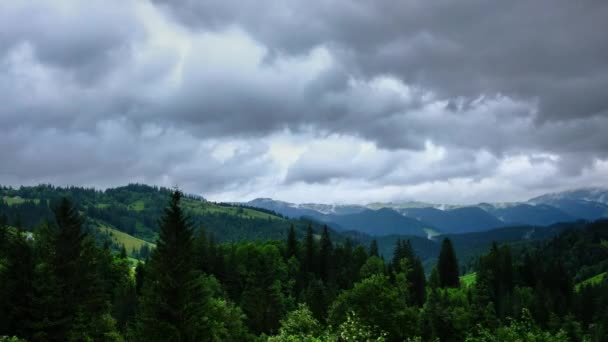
(327, 101)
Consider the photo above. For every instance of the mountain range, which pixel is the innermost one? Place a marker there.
(422, 219)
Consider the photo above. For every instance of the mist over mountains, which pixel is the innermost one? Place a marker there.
(422, 219)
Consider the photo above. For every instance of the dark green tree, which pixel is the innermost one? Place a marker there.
(309, 250)
(170, 309)
(447, 265)
(292, 243)
(373, 248)
(325, 255)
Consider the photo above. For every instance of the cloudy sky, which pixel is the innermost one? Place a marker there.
(346, 101)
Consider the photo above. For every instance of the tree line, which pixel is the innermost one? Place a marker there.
(60, 285)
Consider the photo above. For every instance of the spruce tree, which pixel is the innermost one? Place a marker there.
(292, 243)
(373, 249)
(309, 248)
(16, 292)
(325, 255)
(447, 265)
(415, 277)
(170, 310)
(418, 280)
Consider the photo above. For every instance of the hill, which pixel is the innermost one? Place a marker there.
(377, 223)
(130, 213)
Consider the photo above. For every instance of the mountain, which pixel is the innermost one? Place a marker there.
(283, 208)
(468, 246)
(313, 210)
(577, 208)
(588, 204)
(458, 220)
(377, 222)
(599, 195)
(523, 213)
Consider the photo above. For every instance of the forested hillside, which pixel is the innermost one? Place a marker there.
(135, 209)
(58, 284)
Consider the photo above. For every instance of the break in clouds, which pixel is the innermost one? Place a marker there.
(307, 101)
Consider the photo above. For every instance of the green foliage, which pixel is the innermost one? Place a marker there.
(299, 325)
(448, 265)
(377, 304)
(170, 307)
(353, 329)
(264, 285)
(469, 279)
(523, 329)
(60, 282)
(595, 280)
(373, 266)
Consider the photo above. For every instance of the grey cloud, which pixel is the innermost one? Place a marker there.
(86, 38)
(543, 50)
(505, 78)
(118, 153)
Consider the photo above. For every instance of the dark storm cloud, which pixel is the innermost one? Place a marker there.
(117, 153)
(87, 39)
(482, 80)
(553, 51)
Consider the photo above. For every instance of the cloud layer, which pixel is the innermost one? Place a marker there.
(323, 101)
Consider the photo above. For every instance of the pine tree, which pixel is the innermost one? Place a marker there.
(415, 277)
(68, 281)
(373, 249)
(292, 243)
(447, 265)
(418, 280)
(68, 265)
(325, 255)
(170, 310)
(309, 249)
(16, 290)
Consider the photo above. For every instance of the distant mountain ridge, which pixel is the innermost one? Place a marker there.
(586, 204)
(383, 221)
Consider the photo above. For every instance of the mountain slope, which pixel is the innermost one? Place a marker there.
(458, 220)
(599, 195)
(314, 210)
(135, 209)
(522, 213)
(378, 222)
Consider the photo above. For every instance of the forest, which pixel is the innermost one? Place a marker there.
(61, 281)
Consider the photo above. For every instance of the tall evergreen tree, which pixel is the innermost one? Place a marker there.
(70, 301)
(325, 255)
(169, 308)
(373, 248)
(447, 265)
(292, 243)
(309, 249)
(417, 280)
(415, 277)
(16, 290)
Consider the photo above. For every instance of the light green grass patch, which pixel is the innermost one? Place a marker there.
(130, 242)
(596, 279)
(18, 200)
(468, 280)
(211, 208)
(137, 206)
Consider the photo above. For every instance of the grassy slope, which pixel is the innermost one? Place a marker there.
(18, 200)
(596, 279)
(212, 208)
(468, 279)
(130, 242)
